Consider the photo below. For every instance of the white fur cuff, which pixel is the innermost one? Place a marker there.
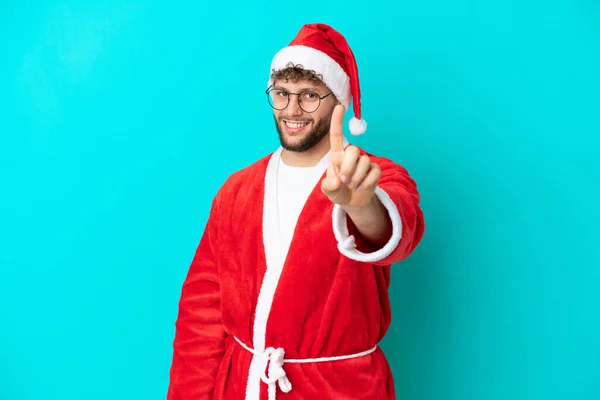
(346, 243)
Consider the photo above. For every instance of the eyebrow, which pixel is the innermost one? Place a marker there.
(311, 88)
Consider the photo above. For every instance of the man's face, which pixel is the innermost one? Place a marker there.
(299, 130)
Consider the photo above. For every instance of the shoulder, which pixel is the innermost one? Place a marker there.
(386, 164)
(395, 178)
(249, 175)
(393, 174)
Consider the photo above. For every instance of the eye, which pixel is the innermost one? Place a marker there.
(309, 96)
(281, 93)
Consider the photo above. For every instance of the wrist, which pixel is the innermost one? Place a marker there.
(367, 208)
(372, 221)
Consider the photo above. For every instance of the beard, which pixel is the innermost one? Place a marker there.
(310, 139)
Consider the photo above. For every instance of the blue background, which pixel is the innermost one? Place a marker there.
(119, 120)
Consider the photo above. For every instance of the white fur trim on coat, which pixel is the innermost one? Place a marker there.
(346, 243)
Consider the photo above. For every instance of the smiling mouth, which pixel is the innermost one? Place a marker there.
(295, 124)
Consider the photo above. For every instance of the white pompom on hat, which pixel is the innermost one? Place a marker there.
(321, 48)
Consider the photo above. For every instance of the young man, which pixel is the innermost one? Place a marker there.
(287, 293)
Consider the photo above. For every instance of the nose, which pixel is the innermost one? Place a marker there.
(294, 105)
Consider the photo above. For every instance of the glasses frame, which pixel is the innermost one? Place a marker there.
(270, 88)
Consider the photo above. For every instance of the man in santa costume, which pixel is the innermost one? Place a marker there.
(287, 293)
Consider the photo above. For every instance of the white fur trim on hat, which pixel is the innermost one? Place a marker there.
(311, 59)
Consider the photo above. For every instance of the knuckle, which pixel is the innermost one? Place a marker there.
(352, 150)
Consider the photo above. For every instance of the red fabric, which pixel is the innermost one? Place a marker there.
(325, 304)
(324, 38)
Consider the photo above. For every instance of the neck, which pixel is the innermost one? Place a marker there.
(308, 158)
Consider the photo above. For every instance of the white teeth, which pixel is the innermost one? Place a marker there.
(295, 125)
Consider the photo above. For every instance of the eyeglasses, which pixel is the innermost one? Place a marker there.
(308, 100)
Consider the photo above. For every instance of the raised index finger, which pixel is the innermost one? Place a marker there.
(336, 133)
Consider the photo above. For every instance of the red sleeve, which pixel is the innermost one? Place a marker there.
(402, 190)
(199, 334)
(398, 193)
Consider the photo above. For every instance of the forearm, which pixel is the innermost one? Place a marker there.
(372, 221)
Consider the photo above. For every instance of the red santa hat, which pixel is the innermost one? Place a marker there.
(321, 48)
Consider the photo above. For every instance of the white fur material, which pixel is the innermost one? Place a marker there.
(333, 75)
(267, 291)
(357, 126)
(275, 253)
(346, 243)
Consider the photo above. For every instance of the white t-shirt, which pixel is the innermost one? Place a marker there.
(294, 185)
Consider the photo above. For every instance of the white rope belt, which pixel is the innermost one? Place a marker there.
(273, 359)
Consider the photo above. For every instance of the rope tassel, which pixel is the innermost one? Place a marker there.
(273, 360)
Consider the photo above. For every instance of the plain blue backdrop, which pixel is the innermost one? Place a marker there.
(120, 119)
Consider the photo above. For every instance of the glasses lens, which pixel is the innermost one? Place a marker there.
(278, 99)
(309, 101)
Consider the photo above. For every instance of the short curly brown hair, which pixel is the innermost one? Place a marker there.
(296, 73)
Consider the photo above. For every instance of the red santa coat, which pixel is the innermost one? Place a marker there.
(327, 298)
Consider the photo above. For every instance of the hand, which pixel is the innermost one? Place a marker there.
(351, 179)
